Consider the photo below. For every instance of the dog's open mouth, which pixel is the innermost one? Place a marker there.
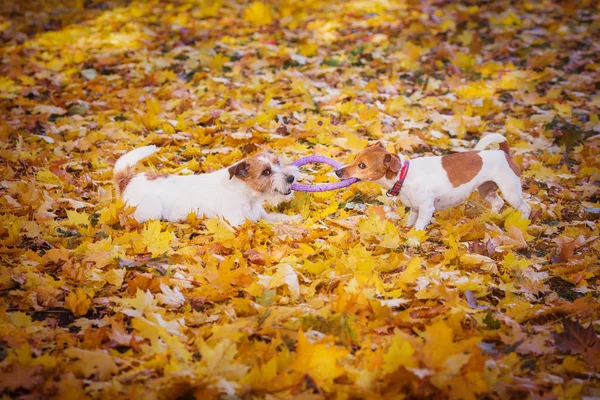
(289, 191)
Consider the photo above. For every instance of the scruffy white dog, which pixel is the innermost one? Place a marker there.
(234, 194)
(427, 184)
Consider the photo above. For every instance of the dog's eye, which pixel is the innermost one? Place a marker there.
(362, 165)
(266, 172)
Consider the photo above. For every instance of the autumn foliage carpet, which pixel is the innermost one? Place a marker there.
(346, 303)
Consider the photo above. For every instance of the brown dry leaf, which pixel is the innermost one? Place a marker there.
(579, 340)
(20, 377)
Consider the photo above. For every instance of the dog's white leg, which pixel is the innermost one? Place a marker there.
(148, 210)
(274, 217)
(425, 214)
(489, 191)
(412, 217)
(524, 208)
(513, 193)
(496, 202)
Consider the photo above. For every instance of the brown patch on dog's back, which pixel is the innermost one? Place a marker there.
(506, 149)
(512, 165)
(152, 176)
(462, 167)
(122, 179)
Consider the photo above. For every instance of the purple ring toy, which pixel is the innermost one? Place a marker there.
(324, 187)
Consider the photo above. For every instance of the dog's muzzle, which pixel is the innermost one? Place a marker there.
(289, 179)
(289, 191)
(340, 174)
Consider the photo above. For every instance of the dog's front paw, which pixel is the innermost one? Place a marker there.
(280, 218)
(294, 218)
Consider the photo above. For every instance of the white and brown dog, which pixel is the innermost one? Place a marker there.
(427, 184)
(236, 193)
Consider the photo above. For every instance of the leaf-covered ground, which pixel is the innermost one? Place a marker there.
(347, 303)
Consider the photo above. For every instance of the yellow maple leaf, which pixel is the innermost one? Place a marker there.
(412, 271)
(359, 261)
(511, 261)
(400, 353)
(515, 219)
(100, 252)
(19, 319)
(319, 361)
(415, 238)
(308, 49)
(516, 79)
(465, 62)
(152, 331)
(564, 110)
(514, 126)
(262, 374)
(153, 105)
(286, 275)
(157, 242)
(220, 229)
(70, 387)
(209, 8)
(476, 90)
(475, 259)
(439, 346)
(220, 359)
(115, 276)
(381, 229)
(75, 218)
(79, 302)
(89, 363)
(13, 226)
(317, 267)
(258, 14)
(397, 105)
(218, 61)
(375, 128)
(142, 302)
(452, 252)
(354, 143)
(540, 172)
(7, 85)
(346, 107)
(46, 176)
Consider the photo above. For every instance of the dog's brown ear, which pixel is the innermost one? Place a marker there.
(379, 144)
(241, 170)
(392, 162)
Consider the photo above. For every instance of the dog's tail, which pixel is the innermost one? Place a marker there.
(494, 138)
(501, 140)
(122, 172)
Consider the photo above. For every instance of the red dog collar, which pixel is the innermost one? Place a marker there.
(395, 190)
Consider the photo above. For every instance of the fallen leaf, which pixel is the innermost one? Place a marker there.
(157, 242)
(78, 302)
(20, 377)
(318, 360)
(89, 363)
(579, 340)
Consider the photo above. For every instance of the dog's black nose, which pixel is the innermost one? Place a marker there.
(290, 178)
(339, 172)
